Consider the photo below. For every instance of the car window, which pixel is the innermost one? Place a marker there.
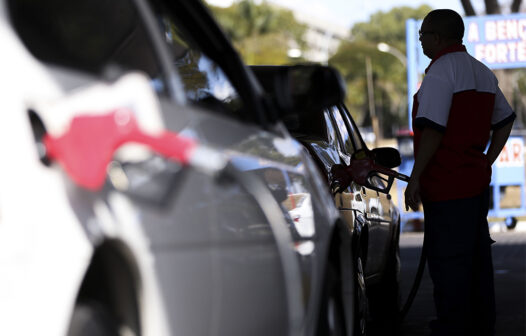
(205, 82)
(87, 35)
(355, 133)
(331, 131)
(343, 131)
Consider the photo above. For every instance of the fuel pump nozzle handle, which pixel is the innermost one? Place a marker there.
(364, 171)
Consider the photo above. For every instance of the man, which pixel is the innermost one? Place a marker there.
(454, 111)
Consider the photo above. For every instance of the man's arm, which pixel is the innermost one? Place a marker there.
(429, 143)
(498, 140)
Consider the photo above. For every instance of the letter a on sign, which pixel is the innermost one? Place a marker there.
(473, 32)
(512, 154)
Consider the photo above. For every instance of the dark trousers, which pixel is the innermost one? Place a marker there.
(458, 247)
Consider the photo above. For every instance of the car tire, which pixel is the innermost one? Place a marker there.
(510, 222)
(91, 318)
(360, 299)
(384, 297)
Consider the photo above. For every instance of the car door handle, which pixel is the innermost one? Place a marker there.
(359, 213)
(366, 215)
(376, 219)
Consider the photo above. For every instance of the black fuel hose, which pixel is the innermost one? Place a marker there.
(416, 283)
(419, 272)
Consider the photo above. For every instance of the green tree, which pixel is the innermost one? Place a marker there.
(262, 33)
(389, 74)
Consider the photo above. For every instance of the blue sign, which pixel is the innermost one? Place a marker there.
(499, 41)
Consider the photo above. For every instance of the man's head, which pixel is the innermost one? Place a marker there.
(440, 29)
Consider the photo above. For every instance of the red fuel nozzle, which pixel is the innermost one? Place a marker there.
(88, 146)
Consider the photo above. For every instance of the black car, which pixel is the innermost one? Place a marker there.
(333, 140)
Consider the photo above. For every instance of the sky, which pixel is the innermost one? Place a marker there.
(348, 12)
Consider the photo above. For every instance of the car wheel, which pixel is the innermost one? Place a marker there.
(511, 222)
(91, 318)
(331, 321)
(360, 301)
(384, 298)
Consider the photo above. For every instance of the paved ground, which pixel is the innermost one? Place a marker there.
(509, 257)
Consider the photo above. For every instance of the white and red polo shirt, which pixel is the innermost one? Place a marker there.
(459, 97)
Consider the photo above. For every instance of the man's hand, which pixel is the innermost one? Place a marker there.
(429, 143)
(498, 140)
(412, 195)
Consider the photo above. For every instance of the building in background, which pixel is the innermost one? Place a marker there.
(322, 37)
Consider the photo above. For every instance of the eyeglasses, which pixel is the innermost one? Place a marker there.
(422, 33)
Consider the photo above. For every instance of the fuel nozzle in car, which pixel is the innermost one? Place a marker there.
(86, 149)
(85, 129)
(364, 170)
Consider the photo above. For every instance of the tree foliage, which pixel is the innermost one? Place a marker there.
(262, 33)
(389, 74)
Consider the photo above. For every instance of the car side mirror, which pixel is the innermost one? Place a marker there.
(301, 88)
(386, 156)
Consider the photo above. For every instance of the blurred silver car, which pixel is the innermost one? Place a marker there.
(148, 186)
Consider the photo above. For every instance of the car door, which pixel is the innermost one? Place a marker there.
(375, 205)
(329, 152)
(384, 212)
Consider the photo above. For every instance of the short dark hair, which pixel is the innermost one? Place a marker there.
(447, 22)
